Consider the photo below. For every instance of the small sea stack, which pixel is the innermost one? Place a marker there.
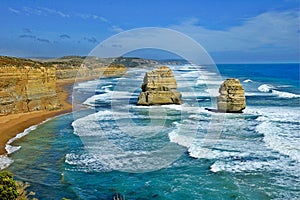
(232, 96)
(159, 88)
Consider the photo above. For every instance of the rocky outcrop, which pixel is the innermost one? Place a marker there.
(26, 86)
(114, 70)
(159, 87)
(232, 96)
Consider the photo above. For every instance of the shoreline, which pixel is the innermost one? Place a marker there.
(13, 124)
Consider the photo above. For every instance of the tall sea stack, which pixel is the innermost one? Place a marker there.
(232, 96)
(159, 87)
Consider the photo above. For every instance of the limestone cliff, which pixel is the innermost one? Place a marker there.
(26, 86)
(159, 87)
(232, 96)
(29, 85)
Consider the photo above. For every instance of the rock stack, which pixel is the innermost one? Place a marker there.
(232, 96)
(159, 87)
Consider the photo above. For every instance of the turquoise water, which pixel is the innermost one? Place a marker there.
(171, 152)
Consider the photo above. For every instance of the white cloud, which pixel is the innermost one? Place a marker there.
(91, 16)
(116, 28)
(43, 11)
(267, 31)
(14, 10)
(55, 12)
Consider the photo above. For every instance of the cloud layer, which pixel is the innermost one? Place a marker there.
(44, 11)
(267, 31)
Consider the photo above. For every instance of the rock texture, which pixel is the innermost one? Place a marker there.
(232, 96)
(29, 85)
(159, 87)
(114, 70)
(73, 67)
(26, 86)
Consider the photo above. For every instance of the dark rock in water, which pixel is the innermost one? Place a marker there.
(118, 197)
(213, 110)
(159, 87)
(232, 96)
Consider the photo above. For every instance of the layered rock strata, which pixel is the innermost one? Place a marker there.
(159, 87)
(114, 70)
(26, 86)
(232, 96)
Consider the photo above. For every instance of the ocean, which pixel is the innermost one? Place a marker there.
(109, 145)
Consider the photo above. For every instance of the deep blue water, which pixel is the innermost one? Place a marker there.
(171, 152)
(278, 74)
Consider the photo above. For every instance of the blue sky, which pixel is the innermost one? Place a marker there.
(231, 30)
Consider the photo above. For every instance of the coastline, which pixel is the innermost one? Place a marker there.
(13, 124)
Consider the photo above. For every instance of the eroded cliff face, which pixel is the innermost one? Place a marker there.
(114, 70)
(26, 86)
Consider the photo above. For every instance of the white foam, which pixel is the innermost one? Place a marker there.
(88, 126)
(265, 88)
(25, 132)
(207, 81)
(198, 151)
(213, 92)
(247, 81)
(281, 138)
(106, 97)
(182, 140)
(5, 162)
(285, 94)
(271, 89)
(107, 122)
(11, 149)
(210, 92)
(106, 88)
(280, 127)
(115, 159)
(187, 67)
(173, 106)
(87, 85)
(251, 94)
(241, 166)
(189, 74)
(91, 101)
(275, 114)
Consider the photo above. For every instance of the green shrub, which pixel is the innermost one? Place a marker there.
(8, 187)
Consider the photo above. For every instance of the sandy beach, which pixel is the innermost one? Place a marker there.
(13, 124)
